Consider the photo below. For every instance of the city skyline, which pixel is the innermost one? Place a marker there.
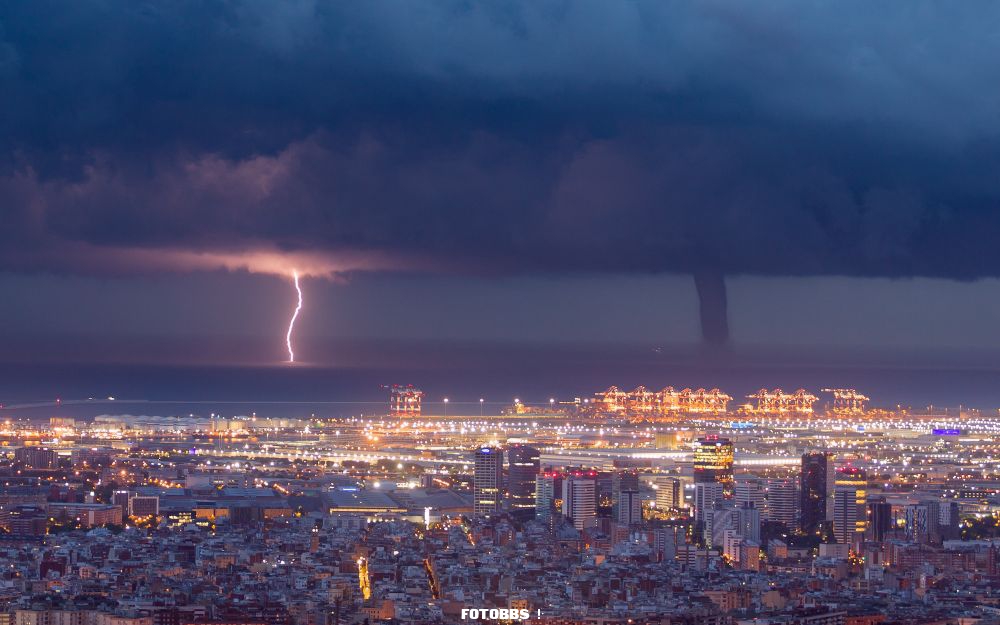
(407, 510)
(532, 312)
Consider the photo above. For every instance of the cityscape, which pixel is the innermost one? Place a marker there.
(619, 507)
(518, 312)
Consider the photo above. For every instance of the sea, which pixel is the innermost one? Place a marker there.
(495, 373)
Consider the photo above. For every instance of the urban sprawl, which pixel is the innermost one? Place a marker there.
(668, 507)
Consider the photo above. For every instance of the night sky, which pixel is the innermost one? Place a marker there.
(531, 173)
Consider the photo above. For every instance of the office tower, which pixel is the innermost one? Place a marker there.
(879, 516)
(750, 490)
(849, 513)
(713, 462)
(933, 529)
(726, 516)
(749, 522)
(923, 522)
(721, 517)
(545, 493)
(487, 479)
(629, 508)
(706, 495)
(949, 519)
(623, 485)
(524, 465)
(579, 495)
(121, 498)
(845, 515)
(782, 502)
(669, 493)
(815, 489)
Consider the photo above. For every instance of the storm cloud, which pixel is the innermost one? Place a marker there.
(712, 138)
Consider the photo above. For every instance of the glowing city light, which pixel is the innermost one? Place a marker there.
(291, 322)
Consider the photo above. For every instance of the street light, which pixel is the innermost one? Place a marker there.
(445, 406)
(481, 401)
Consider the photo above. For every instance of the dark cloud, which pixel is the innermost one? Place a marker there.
(776, 138)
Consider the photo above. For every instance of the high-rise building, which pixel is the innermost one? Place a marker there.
(545, 493)
(923, 522)
(121, 498)
(727, 522)
(879, 516)
(782, 502)
(749, 523)
(524, 464)
(849, 512)
(713, 461)
(722, 517)
(624, 484)
(751, 490)
(579, 495)
(706, 495)
(629, 508)
(949, 520)
(669, 493)
(815, 489)
(487, 480)
(845, 516)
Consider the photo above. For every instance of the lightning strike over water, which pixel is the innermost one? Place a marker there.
(291, 322)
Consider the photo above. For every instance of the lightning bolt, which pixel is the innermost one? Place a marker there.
(291, 322)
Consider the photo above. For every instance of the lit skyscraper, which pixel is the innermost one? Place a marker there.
(879, 519)
(949, 520)
(524, 465)
(706, 495)
(725, 517)
(669, 493)
(923, 521)
(629, 508)
(751, 490)
(579, 495)
(720, 518)
(815, 488)
(120, 498)
(487, 496)
(782, 501)
(749, 527)
(625, 497)
(545, 493)
(849, 513)
(713, 461)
